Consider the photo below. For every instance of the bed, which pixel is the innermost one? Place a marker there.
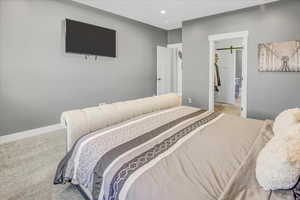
(166, 152)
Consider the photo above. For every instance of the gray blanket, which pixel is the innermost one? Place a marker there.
(175, 154)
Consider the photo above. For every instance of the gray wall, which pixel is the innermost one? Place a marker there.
(38, 80)
(175, 36)
(268, 93)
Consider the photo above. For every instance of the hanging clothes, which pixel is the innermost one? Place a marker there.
(217, 78)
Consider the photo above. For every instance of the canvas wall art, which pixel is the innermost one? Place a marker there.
(279, 56)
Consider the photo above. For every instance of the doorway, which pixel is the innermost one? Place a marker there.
(169, 69)
(228, 73)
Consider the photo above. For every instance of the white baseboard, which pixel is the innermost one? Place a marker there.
(30, 133)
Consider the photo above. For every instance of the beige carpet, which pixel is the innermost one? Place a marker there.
(228, 108)
(27, 168)
(65, 192)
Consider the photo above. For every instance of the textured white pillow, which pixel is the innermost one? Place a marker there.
(285, 120)
(278, 164)
(293, 137)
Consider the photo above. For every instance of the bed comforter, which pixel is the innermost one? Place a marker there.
(174, 154)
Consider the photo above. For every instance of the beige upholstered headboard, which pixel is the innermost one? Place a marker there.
(84, 121)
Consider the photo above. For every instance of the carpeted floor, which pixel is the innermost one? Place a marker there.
(229, 108)
(28, 165)
(65, 192)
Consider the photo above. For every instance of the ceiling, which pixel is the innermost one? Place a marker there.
(152, 11)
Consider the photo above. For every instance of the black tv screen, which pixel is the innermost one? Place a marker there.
(89, 39)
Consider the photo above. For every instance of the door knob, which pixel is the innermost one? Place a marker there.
(159, 79)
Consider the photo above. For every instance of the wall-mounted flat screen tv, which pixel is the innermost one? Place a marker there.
(89, 39)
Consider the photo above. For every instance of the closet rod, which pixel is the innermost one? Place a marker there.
(229, 48)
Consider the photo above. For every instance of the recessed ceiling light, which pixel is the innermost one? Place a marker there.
(162, 12)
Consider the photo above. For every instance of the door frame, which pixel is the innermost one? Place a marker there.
(225, 36)
(174, 46)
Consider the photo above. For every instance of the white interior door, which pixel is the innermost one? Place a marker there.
(226, 63)
(164, 72)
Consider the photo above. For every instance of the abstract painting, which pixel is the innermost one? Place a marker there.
(279, 57)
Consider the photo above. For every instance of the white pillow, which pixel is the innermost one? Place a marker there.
(285, 120)
(278, 164)
(293, 135)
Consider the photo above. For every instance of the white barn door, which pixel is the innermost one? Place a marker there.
(227, 70)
